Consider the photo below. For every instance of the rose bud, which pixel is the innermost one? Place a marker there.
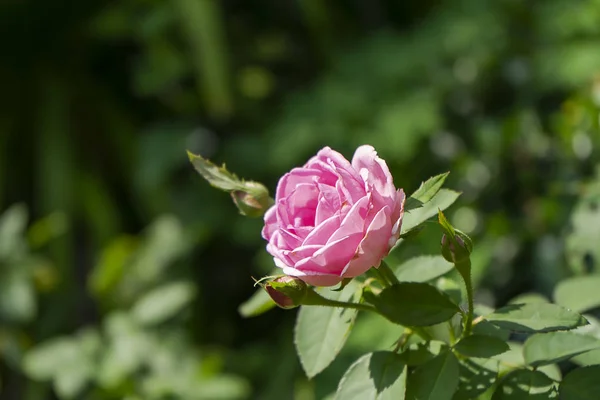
(460, 252)
(334, 219)
(253, 201)
(286, 291)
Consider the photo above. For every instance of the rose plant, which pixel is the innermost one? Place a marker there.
(333, 222)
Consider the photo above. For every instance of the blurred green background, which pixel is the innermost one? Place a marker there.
(121, 270)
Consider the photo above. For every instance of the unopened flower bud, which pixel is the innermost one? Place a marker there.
(253, 201)
(287, 291)
(457, 250)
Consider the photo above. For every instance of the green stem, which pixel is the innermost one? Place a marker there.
(464, 268)
(451, 333)
(386, 274)
(343, 304)
(421, 332)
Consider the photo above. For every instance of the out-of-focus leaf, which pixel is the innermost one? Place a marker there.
(422, 269)
(581, 384)
(257, 304)
(222, 387)
(592, 330)
(579, 294)
(17, 298)
(12, 229)
(127, 348)
(535, 317)
(553, 347)
(163, 303)
(112, 265)
(530, 298)
(203, 24)
(69, 362)
(582, 250)
(44, 230)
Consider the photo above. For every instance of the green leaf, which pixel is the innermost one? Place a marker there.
(420, 353)
(414, 304)
(589, 358)
(128, 346)
(535, 317)
(510, 360)
(482, 346)
(375, 376)
(549, 348)
(112, 265)
(321, 332)
(579, 293)
(437, 379)
(425, 192)
(422, 269)
(163, 303)
(257, 304)
(476, 376)
(529, 298)
(581, 384)
(12, 230)
(70, 362)
(581, 246)
(441, 201)
(487, 328)
(17, 298)
(43, 361)
(593, 330)
(452, 287)
(524, 384)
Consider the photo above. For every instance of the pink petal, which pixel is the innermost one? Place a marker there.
(328, 205)
(313, 278)
(283, 215)
(335, 161)
(354, 189)
(271, 224)
(398, 212)
(303, 252)
(331, 157)
(288, 182)
(354, 221)
(377, 173)
(326, 172)
(290, 239)
(331, 258)
(322, 233)
(302, 204)
(276, 251)
(374, 246)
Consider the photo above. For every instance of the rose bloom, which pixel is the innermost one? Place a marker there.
(333, 219)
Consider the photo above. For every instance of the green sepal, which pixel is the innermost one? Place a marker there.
(343, 284)
(251, 198)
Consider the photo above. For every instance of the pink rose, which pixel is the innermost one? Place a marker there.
(332, 219)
